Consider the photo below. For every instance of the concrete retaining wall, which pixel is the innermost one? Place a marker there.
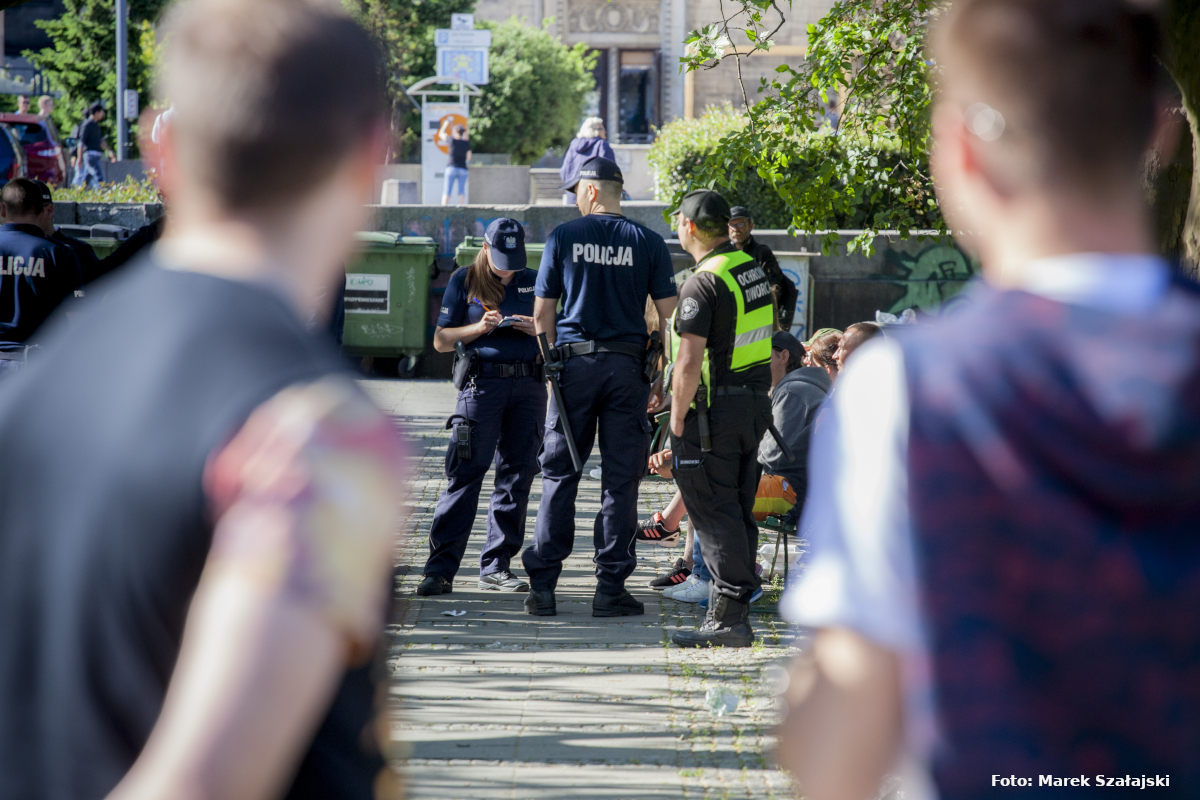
(130, 215)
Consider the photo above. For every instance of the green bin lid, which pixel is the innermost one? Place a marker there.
(380, 239)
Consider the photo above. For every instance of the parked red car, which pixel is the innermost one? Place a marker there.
(44, 157)
(12, 155)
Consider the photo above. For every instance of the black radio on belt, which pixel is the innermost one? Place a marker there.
(461, 435)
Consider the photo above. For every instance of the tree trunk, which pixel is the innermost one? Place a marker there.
(1176, 185)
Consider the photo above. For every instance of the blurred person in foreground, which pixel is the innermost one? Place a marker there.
(1004, 505)
(193, 586)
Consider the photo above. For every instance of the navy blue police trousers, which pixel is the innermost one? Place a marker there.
(603, 391)
(507, 416)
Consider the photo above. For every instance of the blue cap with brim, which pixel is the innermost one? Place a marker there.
(506, 241)
(596, 168)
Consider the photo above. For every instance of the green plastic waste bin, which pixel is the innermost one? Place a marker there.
(465, 253)
(104, 246)
(387, 296)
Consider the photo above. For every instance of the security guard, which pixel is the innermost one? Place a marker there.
(741, 233)
(35, 272)
(720, 410)
(487, 317)
(602, 267)
(82, 250)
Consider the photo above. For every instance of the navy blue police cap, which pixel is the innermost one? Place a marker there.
(506, 240)
(596, 168)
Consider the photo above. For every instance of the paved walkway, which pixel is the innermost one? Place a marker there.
(499, 704)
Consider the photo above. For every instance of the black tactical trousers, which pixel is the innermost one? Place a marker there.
(719, 492)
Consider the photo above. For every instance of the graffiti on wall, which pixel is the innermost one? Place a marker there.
(931, 278)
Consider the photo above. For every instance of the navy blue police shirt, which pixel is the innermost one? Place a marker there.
(603, 266)
(503, 345)
(36, 274)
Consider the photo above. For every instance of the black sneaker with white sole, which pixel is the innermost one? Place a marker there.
(503, 581)
(653, 530)
(676, 576)
(434, 584)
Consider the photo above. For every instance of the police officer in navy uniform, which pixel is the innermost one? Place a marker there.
(602, 268)
(35, 272)
(82, 250)
(501, 411)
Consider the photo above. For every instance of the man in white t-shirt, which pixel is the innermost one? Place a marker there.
(1003, 506)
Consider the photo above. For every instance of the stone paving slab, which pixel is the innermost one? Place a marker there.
(499, 704)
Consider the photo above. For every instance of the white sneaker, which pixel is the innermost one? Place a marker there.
(691, 590)
(670, 591)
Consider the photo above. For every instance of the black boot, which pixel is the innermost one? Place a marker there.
(540, 603)
(622, 604)
(726, 623)
(434, 584)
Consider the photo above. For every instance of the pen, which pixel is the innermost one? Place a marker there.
(475, 300)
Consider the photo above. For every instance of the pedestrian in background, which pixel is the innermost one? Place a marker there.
(93, 147)
(22, 104)
(590, 142)
(602, 267)
(1004, 504)
(194, 587)
(741, 233)
(500, 415)
(856, 336)
(456, 171)
(82, 250)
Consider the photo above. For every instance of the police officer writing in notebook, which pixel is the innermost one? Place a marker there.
(602, 267)
(487, 319)
(720, 410)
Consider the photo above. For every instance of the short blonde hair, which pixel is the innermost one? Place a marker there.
(591, 128)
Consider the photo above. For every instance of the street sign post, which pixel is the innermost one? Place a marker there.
(462, 22)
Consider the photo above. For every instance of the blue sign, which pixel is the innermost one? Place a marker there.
(464, 63)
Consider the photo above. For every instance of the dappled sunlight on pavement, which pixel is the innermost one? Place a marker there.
(498, 704)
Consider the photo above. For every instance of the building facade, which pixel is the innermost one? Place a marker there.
(639, 44)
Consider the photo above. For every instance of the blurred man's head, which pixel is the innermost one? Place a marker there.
(243, 79)
(741, 225)
(1045, 106)
(855, 337)
(45, 105)
(460, 132)
(22, 104)
(21, 202)
(96, 111)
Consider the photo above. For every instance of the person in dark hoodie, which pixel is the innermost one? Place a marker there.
(797, 394)
(591, 141)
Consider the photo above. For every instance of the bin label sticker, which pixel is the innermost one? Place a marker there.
(368, 294)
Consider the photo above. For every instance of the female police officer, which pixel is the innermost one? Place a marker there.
(501, 411)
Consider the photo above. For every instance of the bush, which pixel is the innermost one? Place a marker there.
(535, 96)
(130, 191)
(683, 146)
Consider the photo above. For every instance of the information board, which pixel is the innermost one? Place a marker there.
(464, 63)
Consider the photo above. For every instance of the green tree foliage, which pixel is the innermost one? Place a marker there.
(535, 95)
(404, 30)
(682, 147)
(868, 170)
(82, 62)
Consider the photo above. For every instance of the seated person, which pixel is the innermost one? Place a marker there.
(855, 337)
(797, 392)
(821, 350)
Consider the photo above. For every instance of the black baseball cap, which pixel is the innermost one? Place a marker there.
(506, 239)
(704, 205)
(47, 197)
(596, 168)
(782, 340)
(740, 211)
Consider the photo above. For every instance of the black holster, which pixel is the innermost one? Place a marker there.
(652, 357)
(466, 365)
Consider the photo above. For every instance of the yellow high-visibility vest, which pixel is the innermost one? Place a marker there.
(752, 334)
